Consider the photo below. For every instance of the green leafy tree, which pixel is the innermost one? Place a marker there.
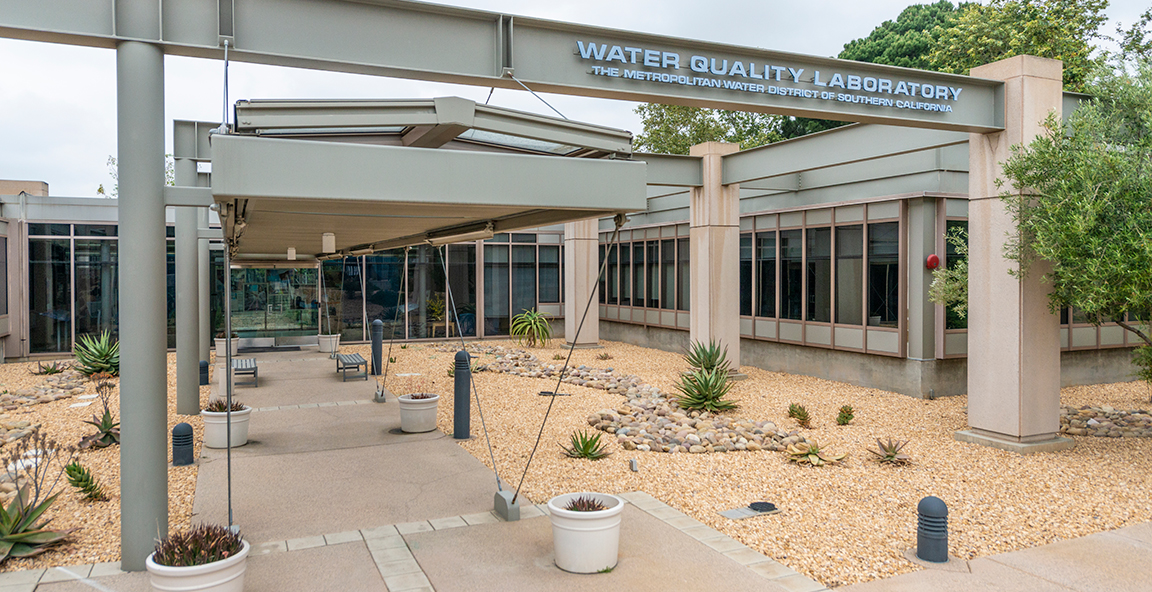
(1058, 29)
(908, 40)
(114, 172)
(1083, 203)
(950, 281)
(673, 129)
(1136, 41)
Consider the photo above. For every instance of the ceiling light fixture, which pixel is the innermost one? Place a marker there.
(328, 242)
(460, 235)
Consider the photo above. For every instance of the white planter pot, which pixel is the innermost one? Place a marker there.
(218, 576)
(216, 428)
(329, 343)
(586, 542)
(417, 415)
(220, 353)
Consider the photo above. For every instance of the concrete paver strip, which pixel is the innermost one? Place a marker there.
(13, 578)
(399, 568)
(306, 542)
(481, 518)
(66, 573)
(110, 568)
(414, 527)
(379, 532)
(389, 542)
(445, 523)
(267, 548)
(343, 537)
(407, 582)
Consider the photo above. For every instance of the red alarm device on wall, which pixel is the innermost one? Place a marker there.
(932, 262)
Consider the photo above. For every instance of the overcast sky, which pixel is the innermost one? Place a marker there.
(58, 103)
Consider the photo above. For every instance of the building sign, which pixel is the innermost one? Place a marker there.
(783, 79)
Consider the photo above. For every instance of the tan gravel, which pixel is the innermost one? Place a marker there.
(839, 525)
(98, 536)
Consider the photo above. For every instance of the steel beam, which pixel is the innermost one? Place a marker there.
(464, 46)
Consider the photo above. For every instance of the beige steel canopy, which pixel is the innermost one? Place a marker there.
(382, 174)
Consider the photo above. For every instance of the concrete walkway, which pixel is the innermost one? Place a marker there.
(334, 498)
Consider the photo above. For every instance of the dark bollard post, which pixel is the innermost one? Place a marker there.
(932, 531)
(203, 372)
(377, 347)
(182, 445)
(461, 428)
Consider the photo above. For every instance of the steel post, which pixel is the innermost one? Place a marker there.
(377, 347)
(143, 272)
(461, 422)
(187, 299)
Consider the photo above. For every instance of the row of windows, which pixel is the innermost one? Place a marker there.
(646, 274)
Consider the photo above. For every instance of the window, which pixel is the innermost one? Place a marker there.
(766, 269)
(496, 297)
(653, 274)
(684, 277)
(625, 274)
(523, 277)
(549, 273)
(952, 320)
(850, 275)
(746, 274)
(668, 273)
(638, 274)
(883, 274)
(820, 275)
(613, 272)
(49, 294)
(3, 275)
(603, 275)
(385, 291)
(97, 275)
(791, 273)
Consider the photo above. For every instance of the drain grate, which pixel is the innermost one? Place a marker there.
(752, 510)
(552, 394)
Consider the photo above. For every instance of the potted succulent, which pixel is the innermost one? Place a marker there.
(216, 423)
(418, 409)
(586, 531)
(220, 341)
(204, 557)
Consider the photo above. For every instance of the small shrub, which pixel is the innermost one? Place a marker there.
(811, 453)
(889, 452)
(800, 414)
(531, 328)
(585, 504)
(107, 428)
(391, 360)
(97, 354)
(557, 357)
(604, 356)
(709, 357)
(703, 390)
(420, 396)
(403, 346)
(52, 368)
(845, 416)
(585, 445)
(84, 482)
(220, 335)
(221, 406)
(199, 545)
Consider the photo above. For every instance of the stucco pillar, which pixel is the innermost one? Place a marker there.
(581, 273)
(1013, 340)
(714, 241)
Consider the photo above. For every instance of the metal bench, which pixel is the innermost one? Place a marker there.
(246, 366)
(346, 362)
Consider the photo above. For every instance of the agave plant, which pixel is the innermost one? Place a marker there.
(199, 545)
(888, 452)
(709, 357)
(585, 445)
(704, 390)
(604, 356)
(584, 504)
(52, 368)
(845, 416)
(811, 453)
(23, 532)
(97, 354)
(531, 328)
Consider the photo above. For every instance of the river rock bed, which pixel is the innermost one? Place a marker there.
(1105, 422)
(53, 388)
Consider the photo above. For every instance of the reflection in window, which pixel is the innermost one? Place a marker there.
(603, 274)
(766, 273)
(344, 296)
(96, 282)
(883, 274)
(612, 275)
(638, 273)
(462, 281)
(427, 296)
(684, 278)
(746, 274)
(952, 320)
(385, 291)
(820, 275)
(653, 274)
(850, 275)
(49, 295)
(791, 273)
(523, 277)
(668, 273)
(625, 275)
(549, 273)
(496, 298)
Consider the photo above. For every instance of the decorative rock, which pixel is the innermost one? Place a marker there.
(1105, 422)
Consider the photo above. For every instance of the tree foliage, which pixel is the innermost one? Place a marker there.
(950, 281)
(1082, 199)
(908, 40)
(1058, 29)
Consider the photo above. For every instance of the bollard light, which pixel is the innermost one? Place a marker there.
(182, 445)
(462, 428)
(932, 530)
(203, 372)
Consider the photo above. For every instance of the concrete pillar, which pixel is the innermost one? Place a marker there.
(921, 310)
(581, 274)
(143, 272)
(1013, 340)
(204, 286)
(187, 297)
(714, 241)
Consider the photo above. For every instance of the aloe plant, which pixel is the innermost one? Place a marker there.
(585, 504)
(709, 357)
(23, 528)
(811, 453)
(531, 328)
(585, 445)
(888, 452)
(97, 354)
(84, 482)
(704, 390)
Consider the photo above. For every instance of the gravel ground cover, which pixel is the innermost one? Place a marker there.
(98, 536)
(840, 524)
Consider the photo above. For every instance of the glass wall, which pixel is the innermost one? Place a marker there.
(462, 281)
(647, 273)
(97, 274)
(883, 274)
(952, 320)
(849, 274)
(746, 275)
(386, 294)
(49, 295)
(819, 275)
(496, 296)
(791, 273)
(766, 271)
(343, 310)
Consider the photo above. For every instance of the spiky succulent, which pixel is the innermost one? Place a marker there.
(84, 482)
(585, 504)
(800, 414)
(97, 354)
(811, 453)
(707, 356)
(703, 390)
(52, 368)
(199, 545)
(531, 327)
(604, 356)
(221, 406)
(845, 416)
(888, 452)
(585, 445)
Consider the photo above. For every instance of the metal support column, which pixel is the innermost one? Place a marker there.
(143, 269)
(204, 285)
(187, 297)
